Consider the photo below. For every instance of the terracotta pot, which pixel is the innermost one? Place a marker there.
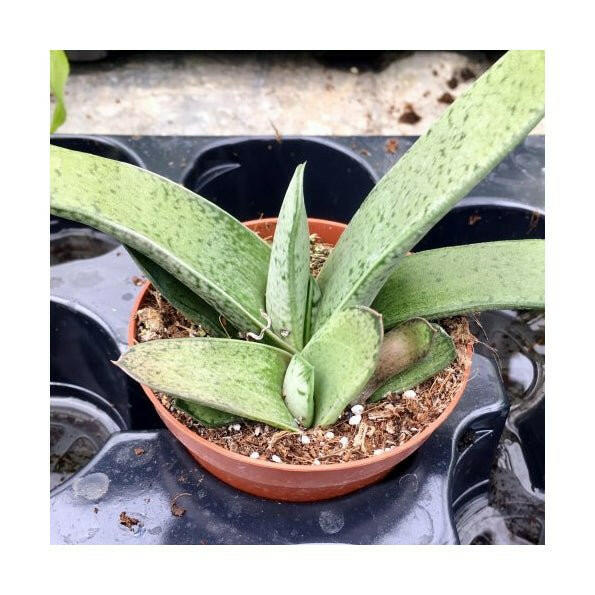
(279, 481)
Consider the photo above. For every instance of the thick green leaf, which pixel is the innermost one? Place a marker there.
(298, 389)
(462, 279)
(59, 70)
(180, 297)
(238, 377)
(401, 347)
(206, 416)
(442, 353)
(469, 140)
(312, 302)
(289, 267)
(204, 247)
(344, 353)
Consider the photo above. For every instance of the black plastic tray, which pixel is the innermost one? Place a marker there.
(93, 286)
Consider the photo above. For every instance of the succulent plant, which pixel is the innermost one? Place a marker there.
(305, 348)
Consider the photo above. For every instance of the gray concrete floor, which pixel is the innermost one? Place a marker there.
(218, 93)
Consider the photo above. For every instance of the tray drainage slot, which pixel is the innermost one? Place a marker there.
(80, 424)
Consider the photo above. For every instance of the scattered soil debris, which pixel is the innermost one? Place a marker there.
(409, 116)
(95, 510)
(138, 281)
(467, 74)
(453, 82)
(446, 98)
(392, 144)
(128, 521)
(176, 510)
(139, 451)
(364, 152)
(319, 252)
(473, 219)
(435, 72)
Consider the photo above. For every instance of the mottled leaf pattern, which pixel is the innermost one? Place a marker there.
(201, 245)
(442, 353)
(180, 297)
(298, 389)
(287, 283)
(462, 279)
(239, 377)
(401, 347)
(344, 353)
(471, 138)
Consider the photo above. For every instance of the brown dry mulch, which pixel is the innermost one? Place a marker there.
(384, 425)
(128, 521)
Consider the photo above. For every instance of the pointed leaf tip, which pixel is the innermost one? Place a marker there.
(287, 281)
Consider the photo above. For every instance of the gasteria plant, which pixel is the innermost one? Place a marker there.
(307, 347)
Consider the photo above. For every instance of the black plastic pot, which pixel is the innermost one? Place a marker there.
(141, 468)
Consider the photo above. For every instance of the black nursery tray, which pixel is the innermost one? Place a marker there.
(116, 471)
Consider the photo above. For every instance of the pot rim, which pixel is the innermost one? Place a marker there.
(411, 444)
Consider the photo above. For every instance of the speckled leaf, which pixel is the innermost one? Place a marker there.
(312, 302)
(463, 146)
(201, 245)
(461, 279)
(237, 377)
(206, 416)
(180, 297)
(344, 353)
(401, 347)
(442, 353)
(287, 283)
(298, 389)
(59, 69)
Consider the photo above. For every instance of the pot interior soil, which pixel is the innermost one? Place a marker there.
(384, 425)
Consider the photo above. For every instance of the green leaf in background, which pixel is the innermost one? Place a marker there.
(180, 297)
(441, 354)
(461, 279)
(462, 147)
(344, 353)
(401, 347)
(206, 416)
(201, 245)
(298, 389)
(239, 377)
(289, 267)
(59, 70)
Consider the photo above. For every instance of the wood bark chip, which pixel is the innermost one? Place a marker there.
(128, 521)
